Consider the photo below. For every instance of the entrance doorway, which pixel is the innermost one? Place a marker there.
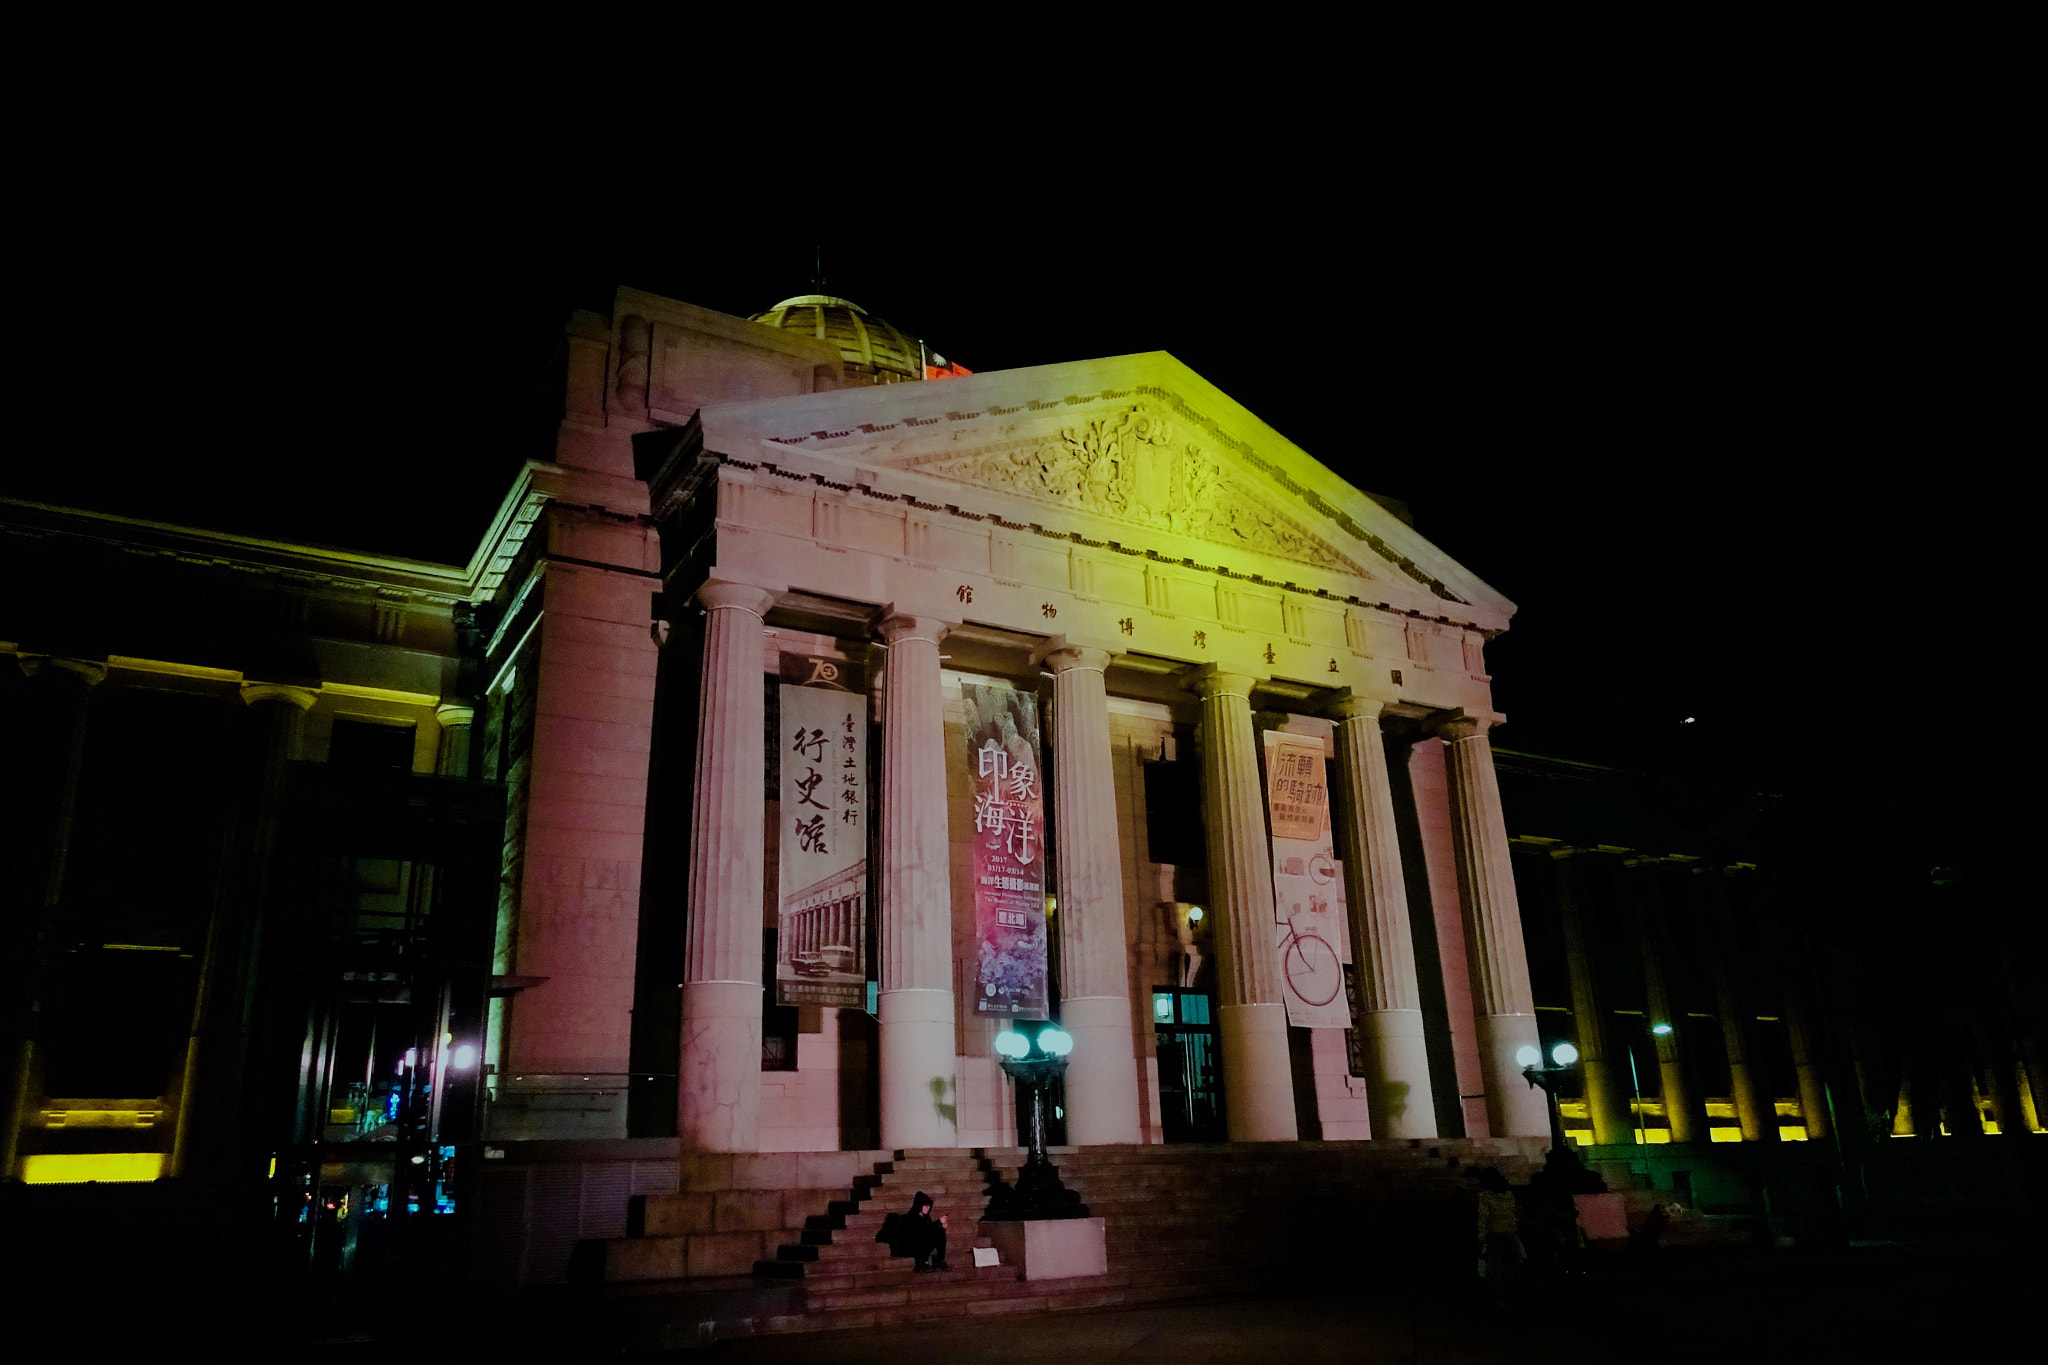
(1190, 1082)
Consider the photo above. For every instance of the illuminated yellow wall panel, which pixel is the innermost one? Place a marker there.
(75, 1168)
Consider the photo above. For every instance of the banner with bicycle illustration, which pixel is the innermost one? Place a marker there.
(1314, 940)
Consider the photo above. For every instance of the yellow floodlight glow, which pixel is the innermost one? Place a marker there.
(77, 1168)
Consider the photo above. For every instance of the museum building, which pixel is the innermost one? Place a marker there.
(813, 711)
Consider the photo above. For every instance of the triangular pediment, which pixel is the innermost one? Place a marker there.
(1140, 465)
(1136, 449)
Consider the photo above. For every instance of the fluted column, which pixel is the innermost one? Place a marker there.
(1102, 1073)
(1503, 1008)
(1754, 1112)
(1398, 1093)
(1685, 1114)
(916, 992)
(719, 1075)
(1258, 1084)
(456, 719)
(1606, 1092)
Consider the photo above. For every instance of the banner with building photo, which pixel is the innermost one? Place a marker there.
(822, 784)
(1009, 851)
(1313, 941)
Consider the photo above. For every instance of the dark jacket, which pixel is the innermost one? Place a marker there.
(912, 1234)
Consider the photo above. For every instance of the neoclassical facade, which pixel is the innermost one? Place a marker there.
(1166, 574)
(733, 507)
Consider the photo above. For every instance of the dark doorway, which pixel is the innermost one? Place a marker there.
(1190, 1085)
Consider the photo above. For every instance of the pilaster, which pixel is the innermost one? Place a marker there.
(456, 721)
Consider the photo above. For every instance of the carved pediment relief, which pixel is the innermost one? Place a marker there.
(1142, 468)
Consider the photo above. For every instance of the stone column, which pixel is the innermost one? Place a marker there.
(1102, 1073)
(718, 1105)
(1685, 1115)
(455, 718)
(1504, 1012)
(1258, 1083)
(1398, 1092)
(1754, 1112)
(916, 994)
(1606, 1090)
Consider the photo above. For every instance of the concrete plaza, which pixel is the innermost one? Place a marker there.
(1937, 1301)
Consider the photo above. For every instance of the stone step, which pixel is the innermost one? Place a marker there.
(936, 1286)
(889, 1190)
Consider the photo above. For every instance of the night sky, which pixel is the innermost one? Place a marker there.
(1715, 415)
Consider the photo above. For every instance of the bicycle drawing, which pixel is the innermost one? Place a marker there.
(1313, 970)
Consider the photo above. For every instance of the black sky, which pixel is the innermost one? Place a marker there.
(1713, 412)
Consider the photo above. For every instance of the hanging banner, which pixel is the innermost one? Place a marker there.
(822, 782)
(1009, 851)
(1308, 884)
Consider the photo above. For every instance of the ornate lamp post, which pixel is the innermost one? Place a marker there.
(1032, 1062)
(1562, 1169)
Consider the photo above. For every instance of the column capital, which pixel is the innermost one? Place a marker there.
(455, 713)
(1459, 727)
(1350, 705)
(718, 595)
(897, 627)
(256, 693)
(1210, 680)
(1062, 655)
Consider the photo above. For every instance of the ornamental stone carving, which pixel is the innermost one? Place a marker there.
(1130, 466)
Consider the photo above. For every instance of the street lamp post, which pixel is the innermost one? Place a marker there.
(1033, 1062)
(1562, 1169)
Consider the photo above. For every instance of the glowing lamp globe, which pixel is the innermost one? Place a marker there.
(1012, 1044)
(1055, 1041)
(1528, 1054)
(1564, 1054)
(1661, 1030)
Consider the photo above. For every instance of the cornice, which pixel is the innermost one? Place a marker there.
(859, 485)
(308, 565)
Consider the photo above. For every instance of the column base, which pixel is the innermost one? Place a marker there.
(1514, 1108)
(1258, 1077)
(920, 1105)
(1102, 1072)
(718, 1096)
(1397, 1090)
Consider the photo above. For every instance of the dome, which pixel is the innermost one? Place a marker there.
(876, 351)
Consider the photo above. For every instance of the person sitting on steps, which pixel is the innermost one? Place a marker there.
(917, 1234)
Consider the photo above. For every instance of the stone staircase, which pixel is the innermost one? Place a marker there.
(1183, 1221)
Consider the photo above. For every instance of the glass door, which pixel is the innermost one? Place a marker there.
(1190, 1084)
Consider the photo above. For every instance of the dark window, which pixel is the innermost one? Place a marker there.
(367, 744)
(116, 1026)
(1173, 814)
(778, 1022)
